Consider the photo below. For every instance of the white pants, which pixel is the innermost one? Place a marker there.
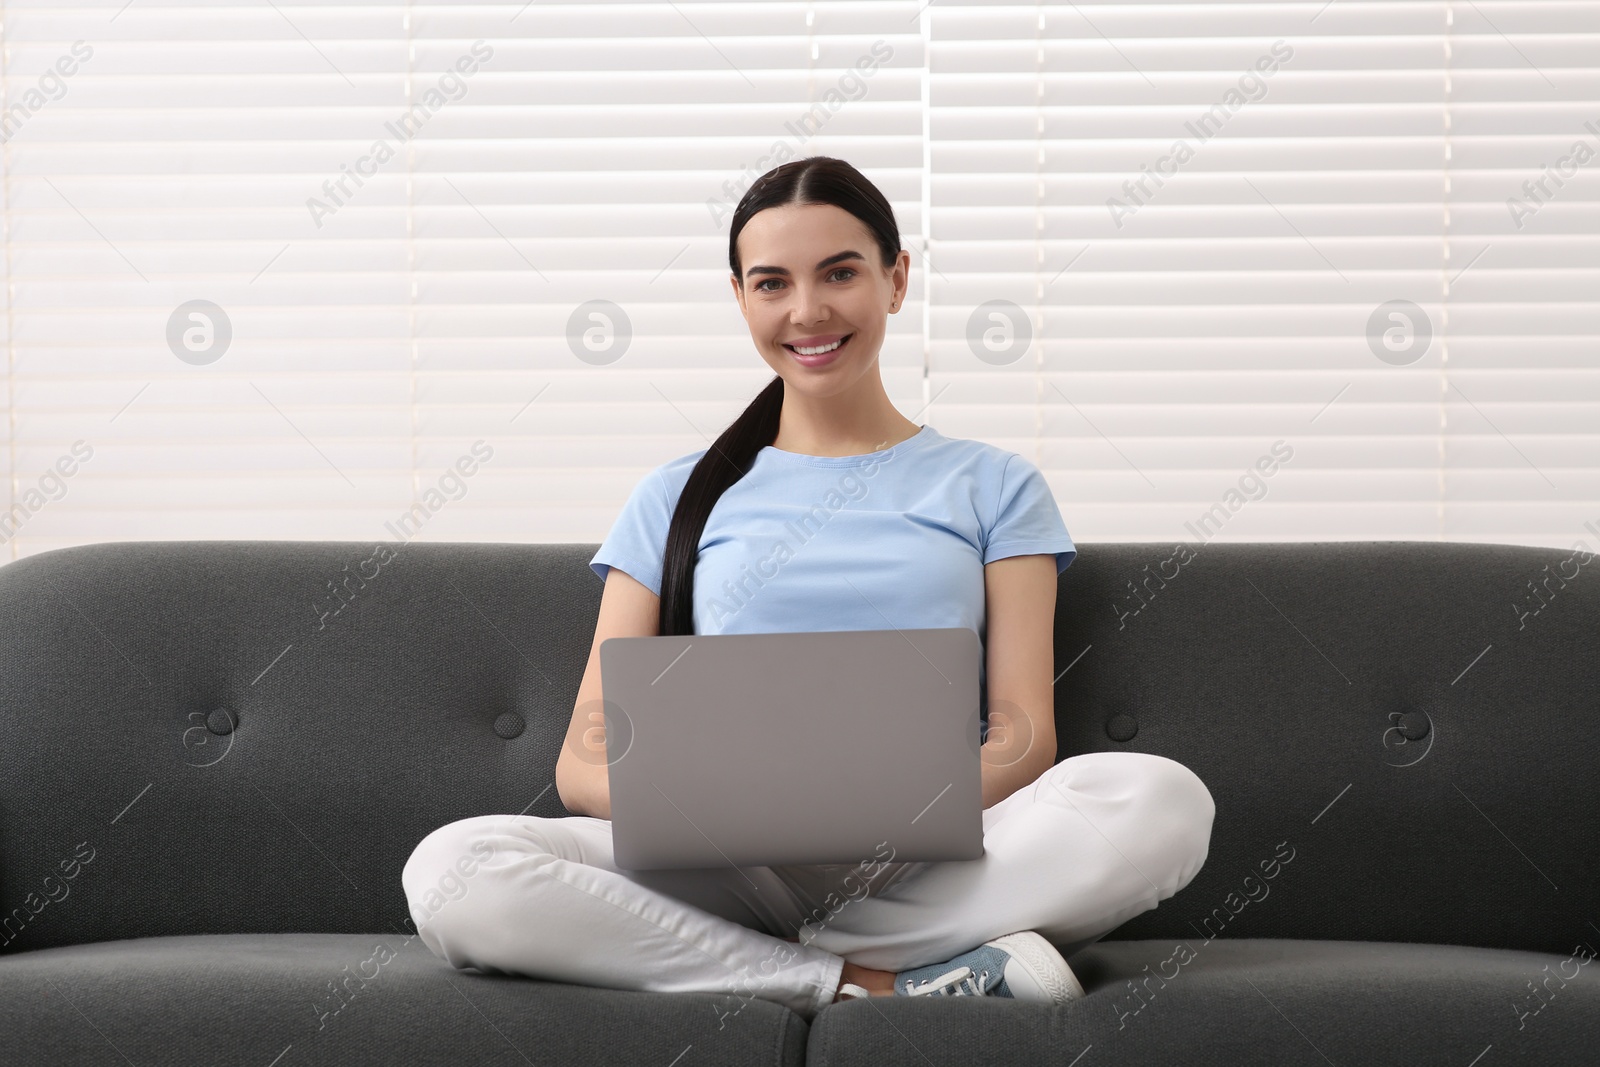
(1092, 842)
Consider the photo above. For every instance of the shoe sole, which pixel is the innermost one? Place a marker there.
(1046, 962)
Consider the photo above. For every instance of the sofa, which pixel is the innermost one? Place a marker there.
(217, 756)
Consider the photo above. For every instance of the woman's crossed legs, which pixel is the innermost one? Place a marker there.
(1094, 841)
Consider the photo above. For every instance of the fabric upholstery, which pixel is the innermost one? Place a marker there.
(250, 998)
(1244, 1003)
(212, 739)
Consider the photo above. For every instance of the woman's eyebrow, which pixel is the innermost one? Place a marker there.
(835, 258)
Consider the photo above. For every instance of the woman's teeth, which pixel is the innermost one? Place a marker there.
(819, 350)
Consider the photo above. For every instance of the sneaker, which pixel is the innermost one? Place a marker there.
(1022, 966)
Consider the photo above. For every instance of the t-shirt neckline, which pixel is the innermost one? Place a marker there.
(925, 434)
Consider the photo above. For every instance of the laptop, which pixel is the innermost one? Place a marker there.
(835, 747)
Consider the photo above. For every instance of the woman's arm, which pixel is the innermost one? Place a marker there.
(583, 779)
(1020, 666)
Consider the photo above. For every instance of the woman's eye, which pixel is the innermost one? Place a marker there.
(761, 287)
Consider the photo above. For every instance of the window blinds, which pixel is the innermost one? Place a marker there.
(458, 271)
(1233, 225)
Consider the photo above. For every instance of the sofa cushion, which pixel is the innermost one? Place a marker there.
(251, 998)
(1236, 1003)
(1399, 736)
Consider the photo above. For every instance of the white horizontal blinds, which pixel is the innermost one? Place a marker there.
(1290, 168)
(1522, 412)
(581, 152)
(613, 159)
(174, 166)
(446, 296)
(7, 407)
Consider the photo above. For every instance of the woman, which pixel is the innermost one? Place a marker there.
(833, 512)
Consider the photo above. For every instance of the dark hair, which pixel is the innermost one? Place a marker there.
(813, 180)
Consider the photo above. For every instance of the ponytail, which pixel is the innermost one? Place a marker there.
(724, 463)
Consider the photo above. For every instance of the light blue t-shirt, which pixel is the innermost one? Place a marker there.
(891, 539)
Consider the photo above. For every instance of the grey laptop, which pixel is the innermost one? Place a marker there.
(835, 747)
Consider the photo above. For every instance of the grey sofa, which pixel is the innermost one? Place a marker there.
(218, 755)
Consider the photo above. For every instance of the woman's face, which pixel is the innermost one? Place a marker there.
(811, 276)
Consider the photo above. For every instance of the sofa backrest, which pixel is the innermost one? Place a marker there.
(217, 737)
(1399, 736)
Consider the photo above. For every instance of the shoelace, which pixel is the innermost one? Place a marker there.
(951, 982)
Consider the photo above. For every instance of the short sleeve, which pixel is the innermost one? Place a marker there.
(1027, 520)
(637, 542)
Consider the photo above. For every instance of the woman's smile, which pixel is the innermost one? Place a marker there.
(818, 358)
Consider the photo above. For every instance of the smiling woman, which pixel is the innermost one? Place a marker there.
(822, 508)
(785, 226)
